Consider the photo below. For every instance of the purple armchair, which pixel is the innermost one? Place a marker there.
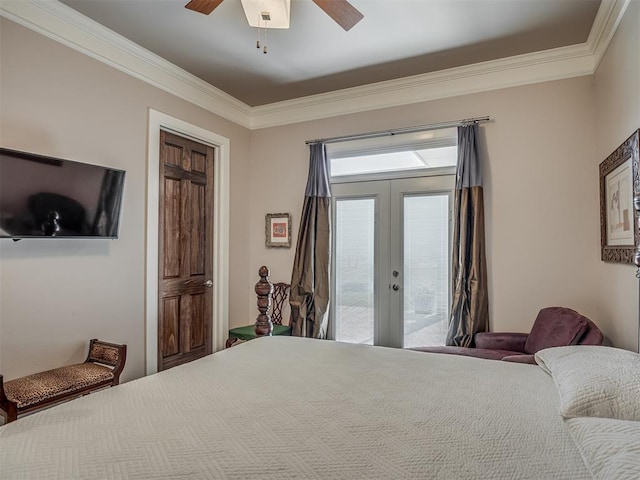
(554, 327)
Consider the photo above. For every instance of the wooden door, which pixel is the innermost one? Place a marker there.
(185, 250)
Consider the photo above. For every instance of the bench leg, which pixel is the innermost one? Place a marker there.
(11, 412)
(10, 408)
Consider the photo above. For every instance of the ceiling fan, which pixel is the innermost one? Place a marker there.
(341, 11)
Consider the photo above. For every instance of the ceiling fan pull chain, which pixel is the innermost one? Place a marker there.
(258, 31)
(264, 50)
(264, 16)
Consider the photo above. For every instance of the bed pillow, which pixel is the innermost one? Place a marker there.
(594, 381)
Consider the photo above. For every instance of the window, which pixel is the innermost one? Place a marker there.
(407, 155)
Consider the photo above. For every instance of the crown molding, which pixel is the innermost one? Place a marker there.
(565, 62)
(604, 27)
(63, 24)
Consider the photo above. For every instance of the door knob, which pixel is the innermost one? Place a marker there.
(208, 284)
(395, 287)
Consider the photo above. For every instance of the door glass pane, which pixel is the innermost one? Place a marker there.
(426, 269)
(355, 225)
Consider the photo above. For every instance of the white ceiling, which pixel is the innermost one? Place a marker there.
(396, 39)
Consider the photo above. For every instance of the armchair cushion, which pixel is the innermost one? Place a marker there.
(501, 341)
(487, 353)
(555, 327)
(530, 359)
(593, 335)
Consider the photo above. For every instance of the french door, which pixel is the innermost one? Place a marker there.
(391, 261)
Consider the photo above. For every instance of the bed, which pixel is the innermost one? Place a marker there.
(339, 411)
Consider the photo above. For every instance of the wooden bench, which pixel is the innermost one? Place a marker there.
(101, 369)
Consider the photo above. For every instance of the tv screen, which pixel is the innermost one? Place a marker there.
(44, 197)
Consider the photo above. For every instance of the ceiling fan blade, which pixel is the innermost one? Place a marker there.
(342, 12)
(203, 6)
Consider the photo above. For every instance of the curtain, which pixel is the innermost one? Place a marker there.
(470, 299)
(105, 222)
(309, 297)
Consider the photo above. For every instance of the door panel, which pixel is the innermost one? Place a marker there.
(170, 326)
(426, 269)
(354, 271)
(360, 233)
(198, 229)
(421, 254)
(198, 325)
(186, 240)
(173, 154)
(171, 231)
(199, 162)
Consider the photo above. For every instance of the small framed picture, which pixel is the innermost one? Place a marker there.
(619, 186)
(278, 230)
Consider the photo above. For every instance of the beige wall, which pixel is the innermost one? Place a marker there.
(57, 294)
(617, 99)
(541, 194)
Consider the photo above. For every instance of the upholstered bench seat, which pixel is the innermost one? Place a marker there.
(101, 369)
(58, 382)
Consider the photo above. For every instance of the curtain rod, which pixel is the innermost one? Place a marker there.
(399, 131)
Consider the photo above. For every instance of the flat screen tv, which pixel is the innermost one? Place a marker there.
(45, 197)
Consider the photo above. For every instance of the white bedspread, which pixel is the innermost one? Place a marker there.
(284, 408)
(611, 448)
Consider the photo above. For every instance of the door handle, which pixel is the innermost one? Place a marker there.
(395, 287)
(208, 283)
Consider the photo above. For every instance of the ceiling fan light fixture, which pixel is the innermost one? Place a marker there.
(277, 11)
